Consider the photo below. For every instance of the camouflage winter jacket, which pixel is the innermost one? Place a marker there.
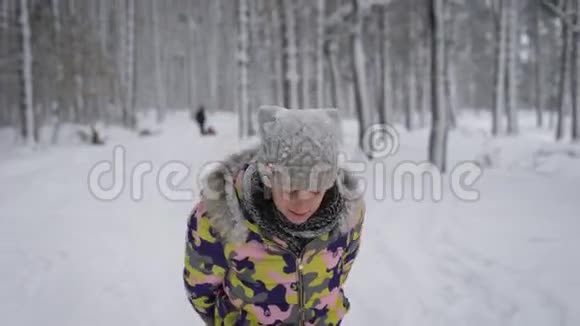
(236, 276)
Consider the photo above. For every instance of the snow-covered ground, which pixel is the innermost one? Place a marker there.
(510, 258)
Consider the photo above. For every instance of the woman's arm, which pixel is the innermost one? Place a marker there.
(205, 264)
(354, 239)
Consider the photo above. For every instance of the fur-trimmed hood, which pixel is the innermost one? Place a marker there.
(223, 187)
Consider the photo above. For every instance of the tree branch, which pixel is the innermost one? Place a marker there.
(562, 15)
(339, 15)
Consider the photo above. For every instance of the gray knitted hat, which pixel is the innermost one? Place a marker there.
(299, 148)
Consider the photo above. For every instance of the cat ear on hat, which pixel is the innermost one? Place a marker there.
(266, 115)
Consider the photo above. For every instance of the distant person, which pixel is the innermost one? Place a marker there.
(277, 229)
(200, 118)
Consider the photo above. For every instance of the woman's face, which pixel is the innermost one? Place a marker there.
(297, 205)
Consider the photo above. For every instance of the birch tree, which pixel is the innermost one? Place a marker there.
(191, 60)
(159, 84)
(576, 78)
(58, 102)
(258, 86)
(426, 75)
(213, 56)
(4, 53)
(512, 66)
(539, 67)
(304, 37)
(129, 119)
(500, 67)
(359, 75)
(289, 49)
(567, 37)
(439, 122)
(450, 63)
(422, 69)
(104, 86)
(244, 104)
(275, 31)
(411, 71)
(27, 105)
(320, 35)
(385, 97)
(330, 53)
(77, 59)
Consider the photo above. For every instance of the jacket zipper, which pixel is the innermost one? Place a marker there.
(300, 290)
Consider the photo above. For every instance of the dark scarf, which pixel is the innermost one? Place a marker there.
(260, 209)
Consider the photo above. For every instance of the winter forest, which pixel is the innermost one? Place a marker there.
(493, 82)
(416, 62)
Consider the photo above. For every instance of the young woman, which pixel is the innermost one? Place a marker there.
(277, 229)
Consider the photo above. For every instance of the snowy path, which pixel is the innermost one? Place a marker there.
(510, 258)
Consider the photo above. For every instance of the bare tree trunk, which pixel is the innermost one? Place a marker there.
(200, 82)
(285, 60)
(27, 105)
(159, 84)
(329, 48)
(472, 86)
(108, 85)
(130, 118)
(426, 80)
(191, 44)
(564, 75)
(4, 45)
(385, 91)
(359, 75)
(450, 67)
(189, 60)
(411, 74)
(289, 66)
(398, 105)
(78, 101)
(409, 96)
(263, 45)
(127, 61)
(121, 92)
(255, 61)
(350, 102)
(58, 102)
(256, 65)
(304, 38)
(539, 69)
(276, 53)
(554, 87)
(500, 68)
(243, 59)
(512, 66)
(334, 73)
(420, 71)
(269, 55)
(439, 123)
(576, 81)
(320, 13)
(213, 56)
(375, 81)
(99, 85)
